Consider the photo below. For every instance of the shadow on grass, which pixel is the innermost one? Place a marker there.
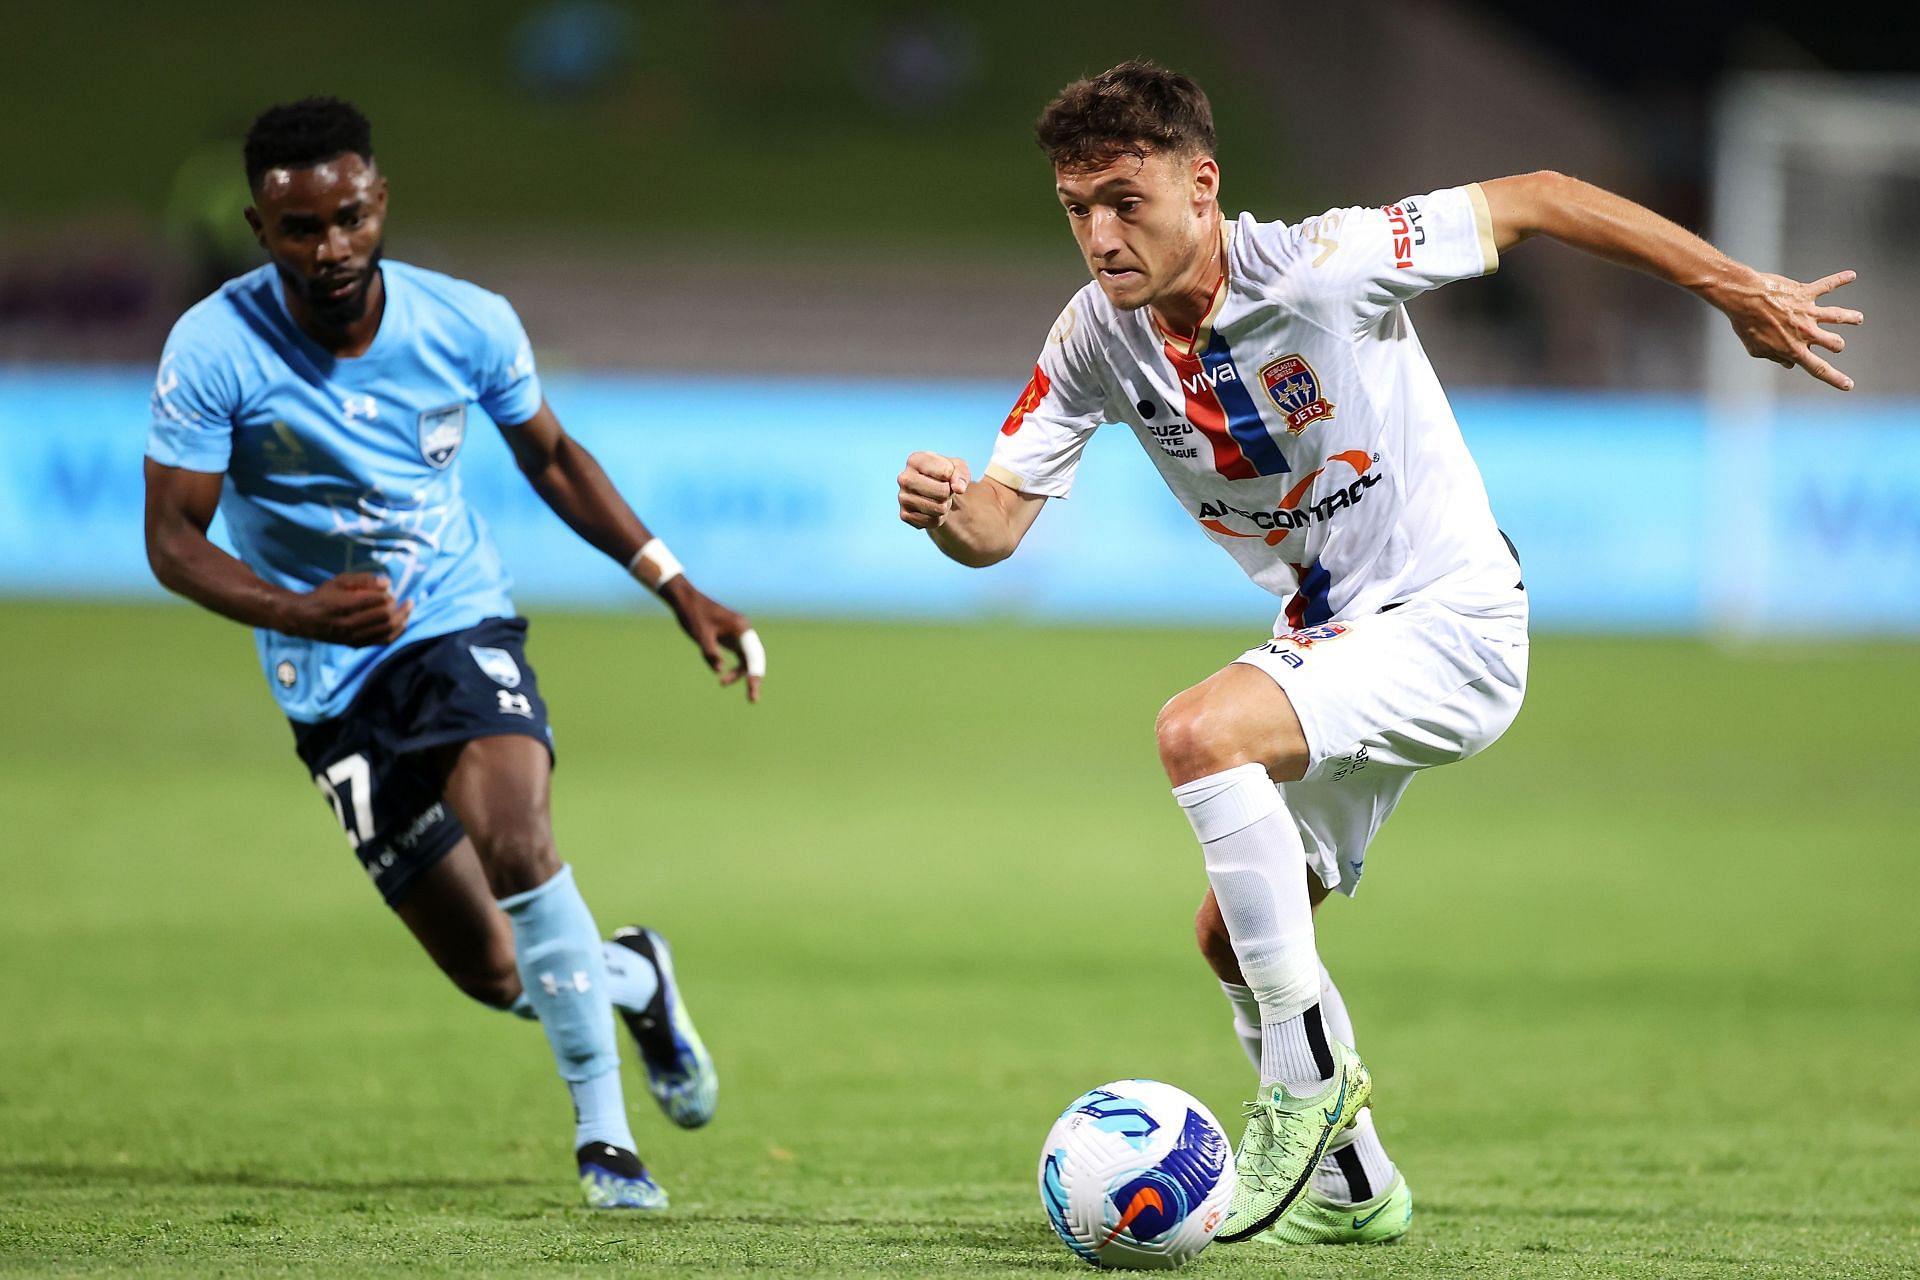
(1462, 1212)
(1018, 1249)
(141, 1175)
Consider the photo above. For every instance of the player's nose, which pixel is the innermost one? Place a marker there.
(335, 246)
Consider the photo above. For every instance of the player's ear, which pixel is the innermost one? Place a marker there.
(1205, 182)
(259, 230)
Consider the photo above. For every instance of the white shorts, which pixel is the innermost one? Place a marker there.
(1380, 698)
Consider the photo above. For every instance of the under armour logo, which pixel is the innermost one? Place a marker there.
(554, 986)
(359, 407)
(515, 704)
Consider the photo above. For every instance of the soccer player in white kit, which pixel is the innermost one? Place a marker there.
(1272, 375)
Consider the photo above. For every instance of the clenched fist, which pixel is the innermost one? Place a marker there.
(355, 609)
(929, 487)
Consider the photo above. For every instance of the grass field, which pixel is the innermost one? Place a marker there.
(1640, 988)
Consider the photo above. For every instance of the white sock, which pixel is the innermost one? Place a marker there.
(1356, 1167)
(1333, 1008)
(1295, 1052)
(1257, 867)
(1246, 1019)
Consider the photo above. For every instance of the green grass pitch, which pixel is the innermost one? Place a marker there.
(1640, 987)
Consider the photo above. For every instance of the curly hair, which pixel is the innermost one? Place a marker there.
(294, 135)
(1132, 109)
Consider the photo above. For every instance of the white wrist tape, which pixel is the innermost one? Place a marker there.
(754, 652)
(654, 566)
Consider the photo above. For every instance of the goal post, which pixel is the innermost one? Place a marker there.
(1812, 173)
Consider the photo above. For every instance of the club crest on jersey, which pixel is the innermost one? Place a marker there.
(498, 664)
(1294, 388)
(1306, 637)
(441, 431)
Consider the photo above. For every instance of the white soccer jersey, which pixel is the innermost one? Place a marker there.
(1302, 427)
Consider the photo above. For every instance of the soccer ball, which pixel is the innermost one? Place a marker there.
(1136, 1174)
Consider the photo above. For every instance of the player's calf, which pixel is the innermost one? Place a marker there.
(1210, 931)
(495, 988)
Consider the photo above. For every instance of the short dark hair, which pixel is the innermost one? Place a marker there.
(1132, 109)
(293, 135)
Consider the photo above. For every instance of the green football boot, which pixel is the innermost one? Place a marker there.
(1284, 1139)
(1318, 1220)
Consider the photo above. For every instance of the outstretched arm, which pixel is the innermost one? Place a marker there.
(569, 480)
(1776, 318)
(976, 522)
(352, 608)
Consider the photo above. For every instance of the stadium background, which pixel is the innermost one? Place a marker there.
(764, 249)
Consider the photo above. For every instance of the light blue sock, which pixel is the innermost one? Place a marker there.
(564, 974)
(600, 1112)
(631, 982)
(630, 979)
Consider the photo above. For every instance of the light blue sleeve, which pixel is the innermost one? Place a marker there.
(509, 383)
(195, 396)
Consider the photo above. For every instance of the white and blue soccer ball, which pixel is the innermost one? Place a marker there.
(1136, 1174)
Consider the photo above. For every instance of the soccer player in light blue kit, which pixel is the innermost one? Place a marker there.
(320, 403)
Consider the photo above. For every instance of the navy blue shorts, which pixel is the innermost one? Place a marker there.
(376, 763)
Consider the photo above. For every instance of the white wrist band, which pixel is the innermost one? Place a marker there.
(654, 566)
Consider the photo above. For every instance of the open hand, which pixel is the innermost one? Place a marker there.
(1779, 319)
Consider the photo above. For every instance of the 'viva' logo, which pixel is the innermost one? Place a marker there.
(1213, 377)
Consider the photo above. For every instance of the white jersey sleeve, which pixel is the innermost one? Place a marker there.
(1348, 267)
(1039, 446)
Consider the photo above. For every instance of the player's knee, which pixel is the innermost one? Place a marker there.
(517, 857)
(1196, 738)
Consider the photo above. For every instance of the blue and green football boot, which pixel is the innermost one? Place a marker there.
(613, 1178)
(680, 1071)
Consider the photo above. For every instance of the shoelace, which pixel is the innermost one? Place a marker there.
(1259, 1163)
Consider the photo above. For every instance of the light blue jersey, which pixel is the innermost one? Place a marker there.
(342, 465)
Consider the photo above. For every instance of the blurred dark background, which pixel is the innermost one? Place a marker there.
(851, 187)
